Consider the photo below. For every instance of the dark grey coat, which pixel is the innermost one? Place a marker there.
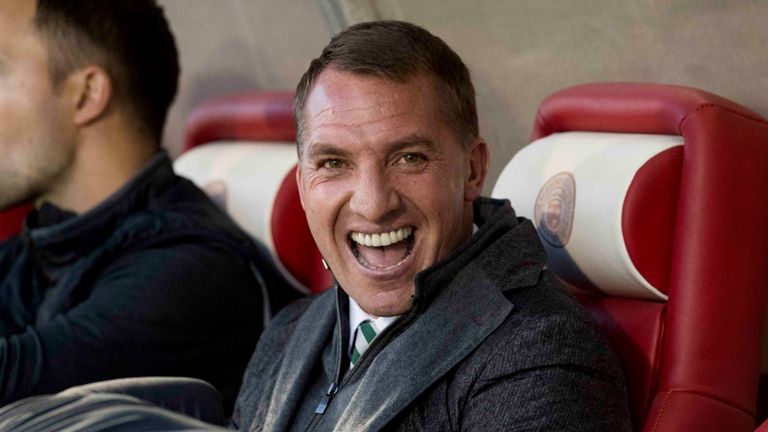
(492, 343)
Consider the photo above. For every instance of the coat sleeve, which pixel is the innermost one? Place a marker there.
(558, 375)
(181, 310)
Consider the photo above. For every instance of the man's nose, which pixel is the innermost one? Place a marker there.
(374, 196)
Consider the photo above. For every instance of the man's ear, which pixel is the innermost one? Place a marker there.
(91, 89)
(298, 184)
(477, 169)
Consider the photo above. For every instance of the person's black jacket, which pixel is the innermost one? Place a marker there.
(156, 280)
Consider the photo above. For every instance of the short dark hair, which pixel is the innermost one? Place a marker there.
(130, 39)
(397, 51)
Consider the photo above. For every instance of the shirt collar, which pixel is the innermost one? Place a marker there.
(358, 315)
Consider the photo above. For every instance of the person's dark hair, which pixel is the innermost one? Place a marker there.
(130, 39)
(397, 51)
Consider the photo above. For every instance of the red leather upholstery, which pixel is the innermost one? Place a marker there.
(266, 116)
(293, 241)
(635, 329)
(11, 220)
(763, 427)
(249, 119)
(708, 336)
(610, 217)
(649, 218)
(628, 108)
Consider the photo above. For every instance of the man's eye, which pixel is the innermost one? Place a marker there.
(410, 159)
(333, 164)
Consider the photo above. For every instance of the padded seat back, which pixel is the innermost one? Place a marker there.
(649, 200)
(604, 206)
(256, 184)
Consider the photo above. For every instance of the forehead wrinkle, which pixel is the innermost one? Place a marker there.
(355, 131)
(325, 149)
(344, 115)
(411, 141)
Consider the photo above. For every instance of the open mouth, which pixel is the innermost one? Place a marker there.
(383, 250)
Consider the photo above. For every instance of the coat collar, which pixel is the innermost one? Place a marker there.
(60, 243)
(505, 248)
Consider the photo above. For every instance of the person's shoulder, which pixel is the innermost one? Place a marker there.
(289, 315)
(546, 299)
(181, 215)
(265, 362)
(283, 323)
(547, 326)
(177, 203)
(549, 352)
(282, 326)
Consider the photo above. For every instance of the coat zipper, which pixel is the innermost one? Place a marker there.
(322, 407)
(394, 331)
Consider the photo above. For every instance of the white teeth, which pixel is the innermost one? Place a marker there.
(382, 239)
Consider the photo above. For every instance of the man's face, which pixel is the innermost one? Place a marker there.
(33, 155)
(385, 183)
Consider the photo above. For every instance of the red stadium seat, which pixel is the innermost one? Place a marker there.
(241, 149)
(665, 248)
(650, 201)
(254, 116)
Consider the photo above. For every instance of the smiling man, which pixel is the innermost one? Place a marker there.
(443, 317)
(386, 183)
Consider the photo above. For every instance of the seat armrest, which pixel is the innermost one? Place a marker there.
(189, 396)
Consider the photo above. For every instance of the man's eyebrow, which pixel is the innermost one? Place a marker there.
(321, 149)
(325, 149)
(411, 141)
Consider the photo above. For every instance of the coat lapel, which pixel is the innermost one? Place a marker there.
(455, 323)
(302, 352)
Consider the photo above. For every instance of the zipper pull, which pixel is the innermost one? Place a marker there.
(323, 405)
